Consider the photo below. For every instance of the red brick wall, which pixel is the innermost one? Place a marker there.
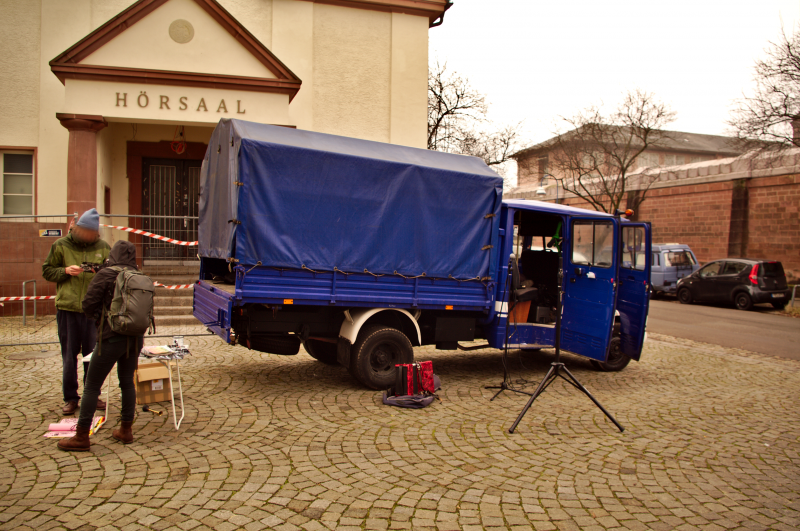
(697, 215)
(774, 220)
(22, 253)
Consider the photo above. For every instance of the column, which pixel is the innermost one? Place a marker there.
(82, 160)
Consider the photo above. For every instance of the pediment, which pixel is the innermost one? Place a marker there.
(176, 42)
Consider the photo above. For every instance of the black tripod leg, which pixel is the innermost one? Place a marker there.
(502, 387)
(548, 379)
(587, 393)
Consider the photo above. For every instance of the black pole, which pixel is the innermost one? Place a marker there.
(556, 367)
(504, 385)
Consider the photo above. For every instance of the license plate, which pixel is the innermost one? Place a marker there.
(777, 295)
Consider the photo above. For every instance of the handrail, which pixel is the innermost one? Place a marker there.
(794, 290)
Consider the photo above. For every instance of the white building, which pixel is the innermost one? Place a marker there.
(110, 103)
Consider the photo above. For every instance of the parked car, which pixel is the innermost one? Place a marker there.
(739, 281)
(671, 262)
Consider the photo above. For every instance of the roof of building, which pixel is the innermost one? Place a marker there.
(674, 141)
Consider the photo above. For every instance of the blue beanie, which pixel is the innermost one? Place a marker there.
(90, 220)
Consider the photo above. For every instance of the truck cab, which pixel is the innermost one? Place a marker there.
(604, 263)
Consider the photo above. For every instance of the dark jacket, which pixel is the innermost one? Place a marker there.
(101, 288)
(68, 251)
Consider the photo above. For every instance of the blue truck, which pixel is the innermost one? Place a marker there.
(361, 251)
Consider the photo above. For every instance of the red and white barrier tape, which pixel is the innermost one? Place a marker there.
(176, 286)
(148, 234)
(51, 297)
(40, 298)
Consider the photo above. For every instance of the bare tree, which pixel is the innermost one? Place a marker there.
(595, 158)
(771, 113)
(458, 120)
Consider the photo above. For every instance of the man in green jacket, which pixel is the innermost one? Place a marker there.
(76, 332)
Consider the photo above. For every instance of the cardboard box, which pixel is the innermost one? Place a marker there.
(152, 383)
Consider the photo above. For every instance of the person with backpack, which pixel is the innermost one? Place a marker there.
(120, 299)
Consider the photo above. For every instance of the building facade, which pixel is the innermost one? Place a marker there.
(535, 163)
(745, 207)
(108, 103)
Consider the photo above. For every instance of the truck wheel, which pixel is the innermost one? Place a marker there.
(321, 351)
(281, 344)
(743, 301)
(617, 360)
(376, 352)
(685, 296)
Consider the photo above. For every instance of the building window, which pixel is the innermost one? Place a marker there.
(16, 185)
(647, 160)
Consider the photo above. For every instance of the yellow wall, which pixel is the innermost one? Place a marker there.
(19, 78)
(364, 75)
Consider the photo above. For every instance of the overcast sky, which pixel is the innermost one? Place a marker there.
(536, 60)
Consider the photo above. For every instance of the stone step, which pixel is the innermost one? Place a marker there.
(173, 293)
(176, 320)
(162, 302)
(172, 310)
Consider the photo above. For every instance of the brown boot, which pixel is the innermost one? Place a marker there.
(78, 443)
(70, 407)
(100, 404)
(124, 434)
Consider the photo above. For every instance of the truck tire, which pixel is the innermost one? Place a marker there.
(321, 351)
(617, 360)
(376, 352)
(281, 344)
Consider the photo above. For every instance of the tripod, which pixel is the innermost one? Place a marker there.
(504, 385)
(557, 368)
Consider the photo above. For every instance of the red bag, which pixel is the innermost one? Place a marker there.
(426, 377)
(414, 379)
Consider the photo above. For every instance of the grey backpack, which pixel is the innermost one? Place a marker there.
(131, 311)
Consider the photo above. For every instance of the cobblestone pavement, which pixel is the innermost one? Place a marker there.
(288, 443)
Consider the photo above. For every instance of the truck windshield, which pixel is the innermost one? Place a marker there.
(592, 243)
(679, 259)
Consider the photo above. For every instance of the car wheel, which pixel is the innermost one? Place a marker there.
(685, 296)
(321, 351)
(617, 360)
(743, 301)
(376, 352)
(779, 305)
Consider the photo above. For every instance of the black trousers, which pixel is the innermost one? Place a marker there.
(77, 334)
(125, 354)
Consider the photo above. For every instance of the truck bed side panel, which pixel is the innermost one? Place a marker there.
(212, 307)
(267, 285)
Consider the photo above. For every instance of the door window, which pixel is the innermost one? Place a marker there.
(592, 243)
(734, 268)
(633, 250)
(711, 270)
(679, 259)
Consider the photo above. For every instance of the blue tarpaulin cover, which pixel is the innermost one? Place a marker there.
(289, 198)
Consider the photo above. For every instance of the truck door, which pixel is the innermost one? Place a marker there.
(589, 270)
(633, 295)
